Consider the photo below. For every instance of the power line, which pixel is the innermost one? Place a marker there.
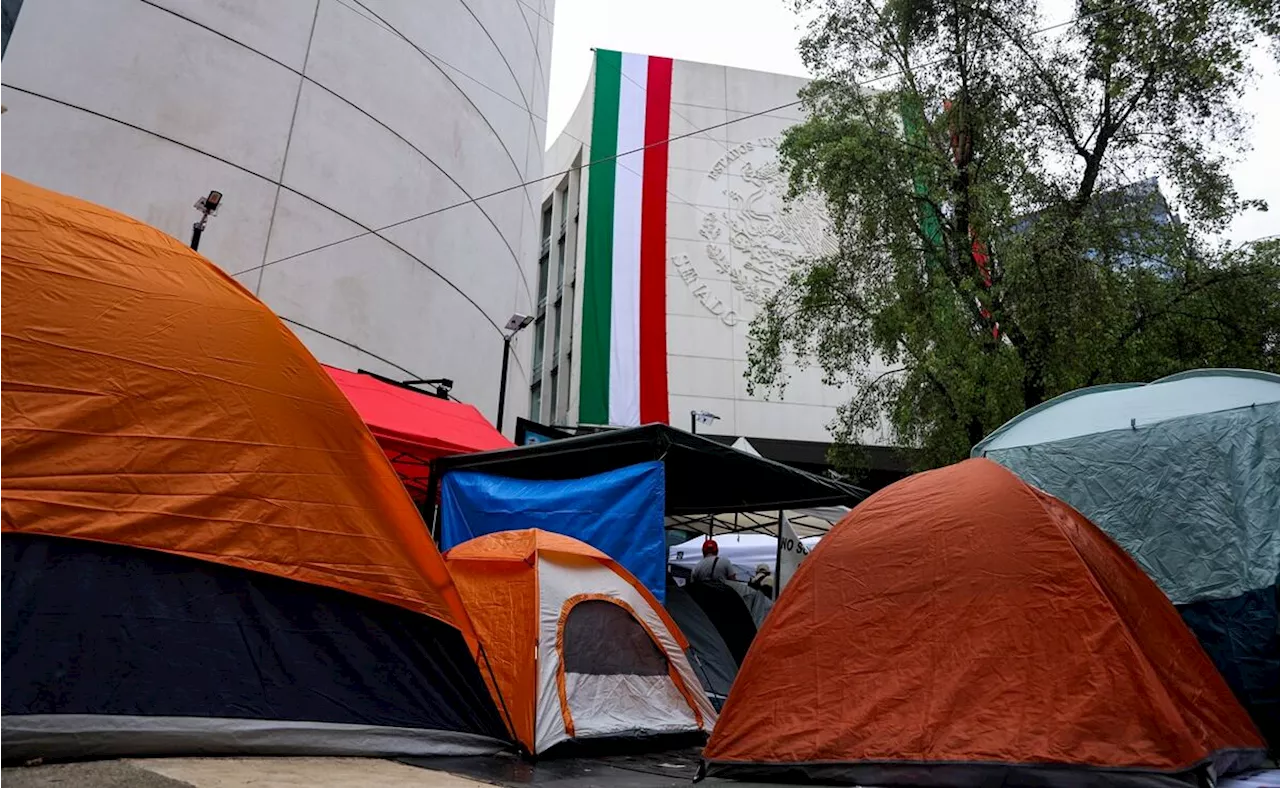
(536, 12)
(524, 184)
(675, 138)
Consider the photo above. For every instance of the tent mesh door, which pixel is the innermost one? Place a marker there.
(602, 638)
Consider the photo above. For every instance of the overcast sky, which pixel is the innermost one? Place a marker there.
(762, 34)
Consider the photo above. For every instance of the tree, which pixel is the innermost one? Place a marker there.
(999, 236)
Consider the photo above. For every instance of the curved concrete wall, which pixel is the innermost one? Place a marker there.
(320, 121)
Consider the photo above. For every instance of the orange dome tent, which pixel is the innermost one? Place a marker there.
(963, 628)
(609, 661)
(204, 548)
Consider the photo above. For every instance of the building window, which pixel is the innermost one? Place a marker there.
(539, 344)
(569, 281)
(540, 324)
(557, 346)
(8, 18)
(556, 308)
(563, 194)
(554, 382)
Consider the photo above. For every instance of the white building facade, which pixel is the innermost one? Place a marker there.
(728, 239)
(354, 142)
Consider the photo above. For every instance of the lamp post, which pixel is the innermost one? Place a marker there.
(515, 325)
(700, 416)
(207, 206)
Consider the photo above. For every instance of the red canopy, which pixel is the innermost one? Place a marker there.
(414, 427)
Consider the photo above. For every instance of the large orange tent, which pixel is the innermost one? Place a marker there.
(963, 628)
(578, 647)
(204, 548)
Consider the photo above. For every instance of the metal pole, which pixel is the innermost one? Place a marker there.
(777, 562)
(502, 384)
(432, 511)
(693, 422)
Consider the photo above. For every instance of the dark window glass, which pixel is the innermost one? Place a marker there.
(560, 265)
(539, 344)
(555, 348)
(543, 270)
(555, 393)
(602, 638)
(8, 18)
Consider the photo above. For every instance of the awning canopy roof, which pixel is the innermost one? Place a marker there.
(702, 476)
(415, 427)
(808, 522)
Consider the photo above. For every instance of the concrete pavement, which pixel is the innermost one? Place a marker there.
(233, 773)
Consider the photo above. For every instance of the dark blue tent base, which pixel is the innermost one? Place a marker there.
(112, 651)
(57, 737)
(1242, 637)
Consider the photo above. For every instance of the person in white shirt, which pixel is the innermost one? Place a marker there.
(712, 568)
(762, 581)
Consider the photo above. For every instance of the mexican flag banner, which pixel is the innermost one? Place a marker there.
(624, 313)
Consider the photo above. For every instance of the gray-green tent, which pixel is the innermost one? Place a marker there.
(1184, 473)
(708, 654)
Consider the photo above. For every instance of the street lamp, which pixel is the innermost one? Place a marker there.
(207, 206)
(515, 325)
(443, 386)
(697, 417)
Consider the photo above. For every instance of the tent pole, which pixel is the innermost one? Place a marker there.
(777, 561)
(510, 725)
(433, 490)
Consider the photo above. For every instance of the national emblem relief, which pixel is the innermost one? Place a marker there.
(760, 237)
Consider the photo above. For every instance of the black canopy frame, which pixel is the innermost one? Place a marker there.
(702, 476)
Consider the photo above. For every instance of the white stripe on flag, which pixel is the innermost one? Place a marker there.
(624, 328)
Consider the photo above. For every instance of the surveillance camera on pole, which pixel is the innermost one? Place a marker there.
(207, 206)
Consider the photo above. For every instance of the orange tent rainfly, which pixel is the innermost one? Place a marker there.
(963, 628)
(609, 661)
(176, 463)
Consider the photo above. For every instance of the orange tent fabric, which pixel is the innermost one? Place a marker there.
(963, 627)
(149, 400)
(497, 576)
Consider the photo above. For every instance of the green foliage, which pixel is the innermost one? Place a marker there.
(1033, 150)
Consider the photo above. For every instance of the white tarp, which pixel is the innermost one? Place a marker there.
(744, 551)
(1269, 778)
(791, 551)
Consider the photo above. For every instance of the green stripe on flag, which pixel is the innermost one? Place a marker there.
(593, 406)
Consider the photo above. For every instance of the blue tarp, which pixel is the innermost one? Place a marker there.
(620, 513)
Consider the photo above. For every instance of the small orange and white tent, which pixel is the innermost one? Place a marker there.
(574, 646)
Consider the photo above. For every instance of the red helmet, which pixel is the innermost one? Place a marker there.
(710, 547)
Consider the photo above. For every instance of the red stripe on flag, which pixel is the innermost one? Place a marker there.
(653, 246)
